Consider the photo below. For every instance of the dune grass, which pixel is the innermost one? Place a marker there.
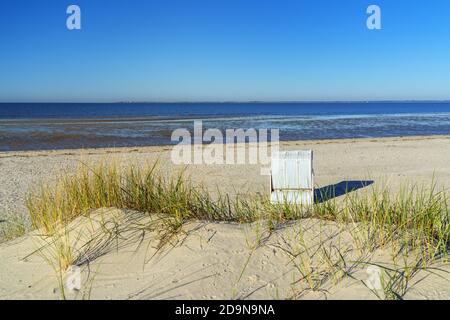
(413, 220)
(419, 217)
(416, 216)
(136, 188)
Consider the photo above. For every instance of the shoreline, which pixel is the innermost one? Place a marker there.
(167, 147)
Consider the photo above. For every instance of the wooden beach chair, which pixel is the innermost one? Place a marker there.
(292, 177)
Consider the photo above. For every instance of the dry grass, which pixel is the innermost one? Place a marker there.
(413, 220)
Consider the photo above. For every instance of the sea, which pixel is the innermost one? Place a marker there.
(47, 126)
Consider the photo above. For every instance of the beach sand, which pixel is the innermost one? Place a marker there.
(214, 260)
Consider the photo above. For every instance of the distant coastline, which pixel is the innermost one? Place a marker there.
(231, 102)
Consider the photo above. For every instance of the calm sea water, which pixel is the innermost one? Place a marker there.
(58, 126)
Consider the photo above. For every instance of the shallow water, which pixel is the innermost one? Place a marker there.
(59, 126)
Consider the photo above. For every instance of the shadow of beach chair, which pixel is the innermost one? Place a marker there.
(339, 189)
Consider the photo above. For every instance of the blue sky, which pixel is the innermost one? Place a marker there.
(222, 50)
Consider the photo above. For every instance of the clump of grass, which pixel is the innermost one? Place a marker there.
(57, 250)
(416, 217)
(318, 259)
(420, 217)
(138, 188)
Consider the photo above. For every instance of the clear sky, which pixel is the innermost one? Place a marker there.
(222, 50)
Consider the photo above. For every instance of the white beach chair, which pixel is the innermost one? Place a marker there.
(292, 177)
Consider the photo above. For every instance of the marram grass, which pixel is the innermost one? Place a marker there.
(138, 188)
(417, 217)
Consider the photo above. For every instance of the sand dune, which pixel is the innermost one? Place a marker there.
(205, 261)
(120, 259)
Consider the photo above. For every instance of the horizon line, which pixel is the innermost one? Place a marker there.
(231, 101)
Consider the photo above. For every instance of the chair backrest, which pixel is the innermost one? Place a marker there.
(292, 177)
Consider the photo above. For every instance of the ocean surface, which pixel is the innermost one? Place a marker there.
(26, 126)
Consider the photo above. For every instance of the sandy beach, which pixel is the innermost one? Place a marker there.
(386, 160)
(225, 151)
(216, 260)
